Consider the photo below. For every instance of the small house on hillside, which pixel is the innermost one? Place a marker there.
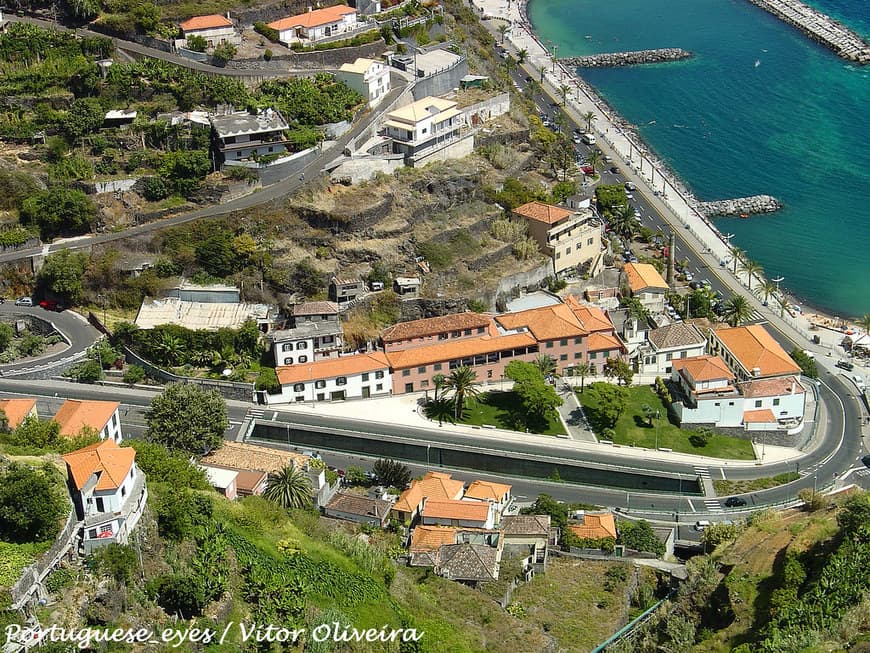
(101, 416)
(316, 25)
(214, 29)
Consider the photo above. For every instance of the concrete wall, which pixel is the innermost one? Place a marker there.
(521, 280)
(459, 149)
(363, 168)
(479, 113)
(315, 61)
(441, 82)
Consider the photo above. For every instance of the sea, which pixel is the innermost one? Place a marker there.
(759, 109)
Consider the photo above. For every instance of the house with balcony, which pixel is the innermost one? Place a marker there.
(646, 284)
(498, 494)
(243, 136)
(666, 344)
(358, 376)
(316, 25)
(426, 128)
(101, 416)
(368, 77)
(345, 290)
(570, 237)
(530, 535)
(108, 491)
(214, 28)
(306, 343)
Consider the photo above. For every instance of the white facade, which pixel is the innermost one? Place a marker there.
(423, 126)
(369, 78)
(359, 376)
(111, 515)
(720, 411)
(316, 25)
(214, 36)
(112, 429)
(308, 342)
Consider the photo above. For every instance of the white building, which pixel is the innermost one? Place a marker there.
(108, 490)
(306, 343)
(666, 344)
(223, 480)
(101, 416)
(751, 352)
(316, 25)
(772, 403)
(498, 494)
(214, 28)
(369, 78)
(241, 135)
(423, 127)
(334, 379)
(647, 285)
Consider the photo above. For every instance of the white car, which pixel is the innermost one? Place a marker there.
(629, 196)
(859, 381)
(689, 276)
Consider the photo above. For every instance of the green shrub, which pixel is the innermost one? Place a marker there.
(269, 32)
(267, 380)
(133, 374)
(59, 579)
(267, 55)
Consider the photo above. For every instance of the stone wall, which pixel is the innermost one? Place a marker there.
(513, 284)
(477, 114)
(458, 149)
(741, 206)
(315, 61)
(441, 82)
(347, 222)
(632, 58)
(419, 308)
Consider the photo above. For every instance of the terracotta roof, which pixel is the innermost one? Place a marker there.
(358, 505)
(434, 485)
(465, 510)
(771, 387)
(315, 308)
(17, 409)
(538, 525)
(540, 212)
(487, 490)
(603, 342)
(313, 18)
(429, 538)
(111, 462)
(643, 275)
(240, 455)
(456, 349)
(467, 562)
(760, 416)
(250, 480)
(546, 322)
(704, 368)
(431, 326)
(75, 414)
(212, 21)
(596, 526)
(591, 317)
(754, 347)
(329, 368)
(678, 334)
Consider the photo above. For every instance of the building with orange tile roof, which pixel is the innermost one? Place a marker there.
(570, 237)
(425, 542)
(334, 379)
(108, 491)
(214, 28)
(646, 284)
(752, 352)
(101, 416)
(433, 485)
(461, 514)
(433, 330)
(759, 416)
(595, 526)
(498, 494)
(17, 410)
(315, 25)
(592, 318)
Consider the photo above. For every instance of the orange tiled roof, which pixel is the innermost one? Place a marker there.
(704, 368)
(456, 349)
(760, 416)
(16, 410)
(313, 18)
(540, 212)
(643, 275)
(429, 538)
(465, 510)
(329, 368)
(596, 526)
(603, 342)
(212, 21)
(591, 317)
(244, 456)
(771, 387)
(434, 325)
(433, 485)
(546, 322)
(754, 347)
(75, 414)
(105, 458)
(487, 490)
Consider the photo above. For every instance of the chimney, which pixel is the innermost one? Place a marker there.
(671, 248)
(756, 371)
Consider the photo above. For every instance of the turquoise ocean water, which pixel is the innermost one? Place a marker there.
(759, 109)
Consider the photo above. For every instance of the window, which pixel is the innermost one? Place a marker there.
(716, 404)
(730, 403)
(549, 344)
(287, 346)
(319, 384)
(131, 472)
(489, 374)
(492, 358)
(776, 402)
(468, 332)
(421, 370)
(379, 375)
(288, 360)
(406, 372)
(303, 359)
(379, 386)
(327, 340)
(342, 380)
(455, 334)
(436, 367)
(578, 355)
(558, 255)
(424, 383)
(409, 387)
(578, 341)
(563, 343)
(563, 357)
(100, 505)
(365, 376)
(567, 250)
(302, 345)
(479, 360)
(593, 355)
(442, 336)
(123, 490)
(299, 399)
(669, 356)
(298, 387)
(481, 329)
(92, 534)
(758, 403)
(320, 396)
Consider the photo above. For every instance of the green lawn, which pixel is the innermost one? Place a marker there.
(505, 411)
(633, 429)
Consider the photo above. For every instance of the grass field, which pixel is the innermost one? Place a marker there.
(633, 429)
(505, 411)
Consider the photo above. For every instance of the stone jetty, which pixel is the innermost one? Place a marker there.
(632, 58)
(742, 206)
(819, 27)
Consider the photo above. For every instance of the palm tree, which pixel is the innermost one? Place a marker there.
(438, 382)
(589, 117)
(624, 221)
(752, 269)
(289, 488)
(864, 322)
(766, 290)
(522, 55)
(169, 348)
(737, 310)
(564, 88)
(737, 255)
(783, 302)
(583, 370)
(502, 29)
(463, 382)
(440, 409)
(594, 159)
(547, 365)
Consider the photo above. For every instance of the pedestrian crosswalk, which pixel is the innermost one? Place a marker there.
(703, 472)
(255, 413)
(755, 318)
(712, 505)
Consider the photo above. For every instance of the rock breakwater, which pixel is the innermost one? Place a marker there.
(742, 206)
(630, 58)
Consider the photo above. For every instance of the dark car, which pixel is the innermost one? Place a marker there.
(866, 461)
(735, 502)
(845, 365)
(614, 170)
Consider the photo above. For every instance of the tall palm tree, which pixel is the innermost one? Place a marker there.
(737, 310)
(502, 30)
(752, 269)
(440, 409)
(624, 221)
(522, 55)
(864, 322)
(463, 382)
(766, 290)
(547, 365)
(564, 88)
(289, 488)
(737, 255)
(583, 370)
(589, 117)
(438, 382)
(594, 159)
(783, 302)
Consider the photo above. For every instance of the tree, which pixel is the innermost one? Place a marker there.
(216, 254)
(34, 432)
(463, 382)
(441, 409)
(752, 269)
(737, 310)
(813, 500)
(547, 365)
(85, 115)
(31, 504)
(701, 437)
(61, 275)
(864, 322)
(289, 488)
(737, 256)
(854, 518)
(547, 505)
(583, 370)
(561, 157)
(640, 536)
(391, 473)
(355, 475)
(188, 418)
(224, 53)
(116, 561)
(624, 222)
(806, 363)
(719, 532)
(619, 369)
(522, 55)
(766, 290)
(133, 374)
(589, 117)
(59, 211)
(612, 399)
(83, 9)
(306, 279)
(783, 303)
(196, 43)
(170, 348)
(648, 412)
(6, 335)
(563, 89)
(594, 160)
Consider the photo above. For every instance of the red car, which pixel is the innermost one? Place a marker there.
(50, 305)
(589, 171)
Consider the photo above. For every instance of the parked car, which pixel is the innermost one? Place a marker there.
(735, 502)
(614, 170)
(866, 461)
(629, 185)
(629, 196)
(859, 381)
(24, 301)
(702, 525)
(689, 276)
(843, 365)
(48, 304)
(576, 139)
(608, 159)
(2, 300)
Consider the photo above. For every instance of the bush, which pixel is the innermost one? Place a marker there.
(267, 380)
(807, 364)
(155, 189)
(196, 43)
(86, 372)
(59, 579)
(133, 374)
(269, 32)
(267, 55)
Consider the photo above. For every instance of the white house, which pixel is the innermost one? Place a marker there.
(498, 494)
(222, 480)
(357, 376)
(306, 342)
(423, 127)
(647, 285)
(108, 490)
(316, 25)
(214, 28)
(101, 416)
(772, 403)
(666, 344)
(369, 78)
(461, 514)
(241, 135)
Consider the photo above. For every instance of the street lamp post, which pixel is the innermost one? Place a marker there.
(658, 414)
(776, 281)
